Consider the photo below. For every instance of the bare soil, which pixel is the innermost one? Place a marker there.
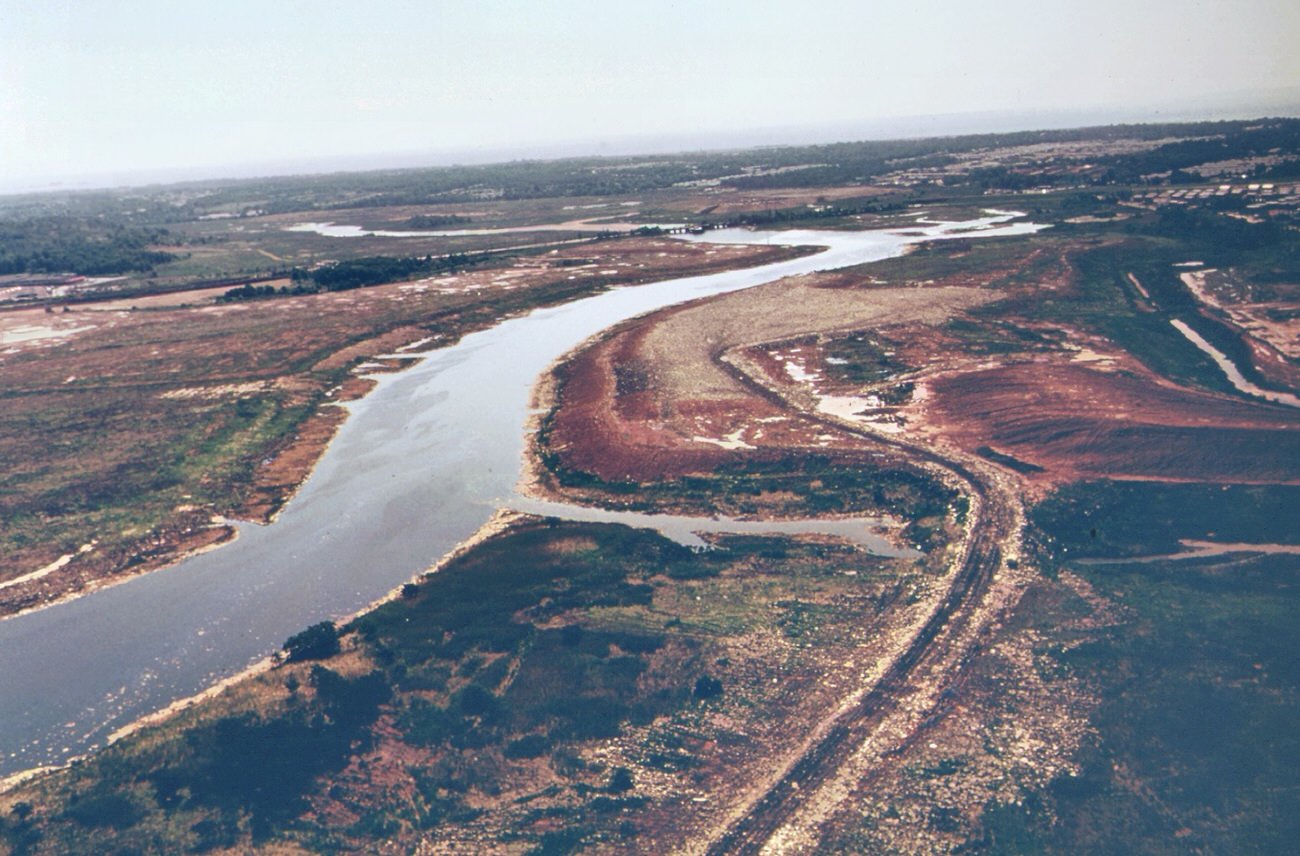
(655, 399)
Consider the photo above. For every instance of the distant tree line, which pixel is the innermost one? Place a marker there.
(1220, 143)
(356, 273)
(434, 221)
(776, 216)
(61, 244)
(818, 165)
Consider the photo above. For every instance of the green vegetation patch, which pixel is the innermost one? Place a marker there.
(861, 359)
(811, 485)
(494, 676)
(1194, 748)
(1116, 519)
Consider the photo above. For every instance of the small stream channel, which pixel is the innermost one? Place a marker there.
(422, 462)
(1230, 370)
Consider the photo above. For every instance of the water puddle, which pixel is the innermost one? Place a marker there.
(866, 532)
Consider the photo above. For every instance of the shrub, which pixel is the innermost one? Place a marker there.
(109, 809)
(315, 643)
(707, 686)
(620, 781)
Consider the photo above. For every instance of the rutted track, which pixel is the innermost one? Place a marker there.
(980, 560)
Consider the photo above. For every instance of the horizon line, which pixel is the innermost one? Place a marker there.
(1283, 103)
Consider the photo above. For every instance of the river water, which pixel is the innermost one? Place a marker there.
(422, 462)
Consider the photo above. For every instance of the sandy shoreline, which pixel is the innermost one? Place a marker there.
(102, 583)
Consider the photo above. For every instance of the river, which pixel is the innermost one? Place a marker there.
(421, 463)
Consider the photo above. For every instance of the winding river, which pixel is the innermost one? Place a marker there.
(422, 462)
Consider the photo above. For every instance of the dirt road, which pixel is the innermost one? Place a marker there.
(948, 637)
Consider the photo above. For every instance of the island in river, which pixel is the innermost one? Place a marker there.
(571, 685)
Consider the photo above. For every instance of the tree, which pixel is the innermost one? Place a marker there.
(315, 643)
(620, 782)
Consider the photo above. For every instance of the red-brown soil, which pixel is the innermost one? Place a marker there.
(1077, 422)
(655, 399)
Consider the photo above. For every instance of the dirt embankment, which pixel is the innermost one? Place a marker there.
(654, 400)
(1075, 422)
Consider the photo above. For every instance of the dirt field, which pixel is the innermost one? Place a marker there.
(656, 399)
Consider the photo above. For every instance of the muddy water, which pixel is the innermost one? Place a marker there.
(422, 462)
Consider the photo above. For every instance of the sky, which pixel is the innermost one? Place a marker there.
(100, 91)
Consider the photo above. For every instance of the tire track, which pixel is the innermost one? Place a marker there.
(782, 802)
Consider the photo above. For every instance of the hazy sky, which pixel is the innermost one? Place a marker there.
(93, 87)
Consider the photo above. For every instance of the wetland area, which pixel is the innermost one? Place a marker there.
(921, 498)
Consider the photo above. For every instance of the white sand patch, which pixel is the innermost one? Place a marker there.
(799, 374)
(33, 333)
(418, 343)
(60, 562)
(1138, 285)
(847, 406)
(213, 392)
(1087, 355)
(730, 441)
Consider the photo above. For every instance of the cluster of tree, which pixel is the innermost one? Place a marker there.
(434, 221)
(1228, 240)
(317, 642)
(60, 244)
(263, 768)
(257, 292)
(376, 270)
(820, 212)
(354, 273)
(1219, 142)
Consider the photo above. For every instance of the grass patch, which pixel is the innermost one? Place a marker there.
(1116, 519)
(1194, 747)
